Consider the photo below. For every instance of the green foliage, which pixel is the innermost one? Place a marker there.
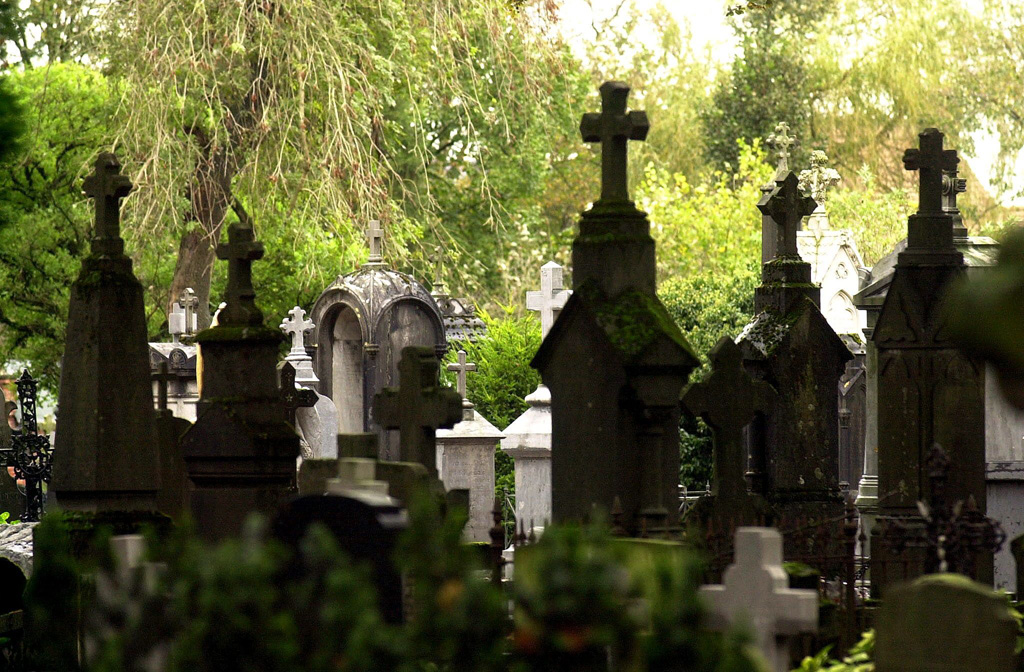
(858, 659)
(51, 604)
(44, 220)
(877, 216)
(5, 518)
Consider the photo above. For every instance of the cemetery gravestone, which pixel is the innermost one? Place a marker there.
(106, 453)
(173, 497)
(944, 623)
(528, 439)
(363, 322)
(928, 390)
(793, 447)
(418, 407)
(241, 451)
(465, 457)
(615, 361)
(755, 593)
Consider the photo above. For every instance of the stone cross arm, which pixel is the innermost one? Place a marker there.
(613, 127)
(787, 205)
(375, 236)
(550, 299)
(296, 327)
(240, 251)
(292, 396)
(107, 186)
(930, 159)
(781, 140)
(461, 368)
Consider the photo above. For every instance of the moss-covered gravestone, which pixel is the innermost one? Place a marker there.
(106, 456)
(241, 451)
(929, 391)
(614, 360)
(794, 446)
(944, 623)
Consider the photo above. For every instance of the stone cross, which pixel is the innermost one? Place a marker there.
(727, 401)
(176, 322)
(296, 327)
(931, 160)
(787, 206)
(240, 251)
(375, 236)
(438, 258)
(107, 186)
(613, 127)
(418, 406)
(461, 368)
(294, 397)
(781, 140)
(819, 178)
(190, 302)
(755, 593)
(551, 298)
(162, 379)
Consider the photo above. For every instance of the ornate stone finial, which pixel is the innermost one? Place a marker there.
(375, 236)
(819, 178)
(107, 186)
(930, 160)
(613, 127)
(951, 186)
(781, 141)
(551, 298)
(787, 206)
(296, 327)
(240, 251)
(461, 368)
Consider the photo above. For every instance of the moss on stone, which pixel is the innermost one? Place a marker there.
(635, 320)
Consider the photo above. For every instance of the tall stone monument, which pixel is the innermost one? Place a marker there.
(106, 455)
(528, 439)
(615, 361)
(794, 446)
(241, 451)
(928, 391)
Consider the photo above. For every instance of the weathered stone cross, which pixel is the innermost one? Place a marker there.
(951, 186)
(727, 401)
(240, 251)
(931, 159)
(755, 593)
(551, 298)
(781, 140)
(787, 206)
(294, 397)
(375, 235)
(461, 368)
(296, 327)
(106, 186)
(613, 127)
(162, 379)
(418, 406)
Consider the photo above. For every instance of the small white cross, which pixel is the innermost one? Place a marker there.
(297, 326)
(462, 367)
(551, 298)
(375, 235)
(176, 322)
(756, 592)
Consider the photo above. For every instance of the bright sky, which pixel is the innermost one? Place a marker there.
(706, 19)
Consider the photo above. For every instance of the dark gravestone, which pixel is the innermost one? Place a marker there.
(793, 448)
(418, 407)
(728, 400)
(106, 455)
(852, 415)
(173, 497)
(1017, 548)
(614, 360)
(928, 391)
(241, 451)
(367, 529)
(30, 455)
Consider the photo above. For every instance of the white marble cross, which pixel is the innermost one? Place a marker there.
(461, 368)
(297, 326)
(375, 235)
(756, 593)
(551, 298)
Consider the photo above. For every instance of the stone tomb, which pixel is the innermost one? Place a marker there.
(363, 322)
(615, 361)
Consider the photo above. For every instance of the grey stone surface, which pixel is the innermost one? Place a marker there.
(16, 545)
(241, 451)
(465, 457)
(528, 442)
(183, 388)
(755, 593)
(944, 623)
(418, 407)
(106, 455)
(314, 474)
(173, 497)
(363, 322)
(614, 360)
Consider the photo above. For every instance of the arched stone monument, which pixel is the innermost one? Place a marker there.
(363, 321)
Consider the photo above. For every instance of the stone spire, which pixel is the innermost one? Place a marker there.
(106, 455)
(785, 276)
